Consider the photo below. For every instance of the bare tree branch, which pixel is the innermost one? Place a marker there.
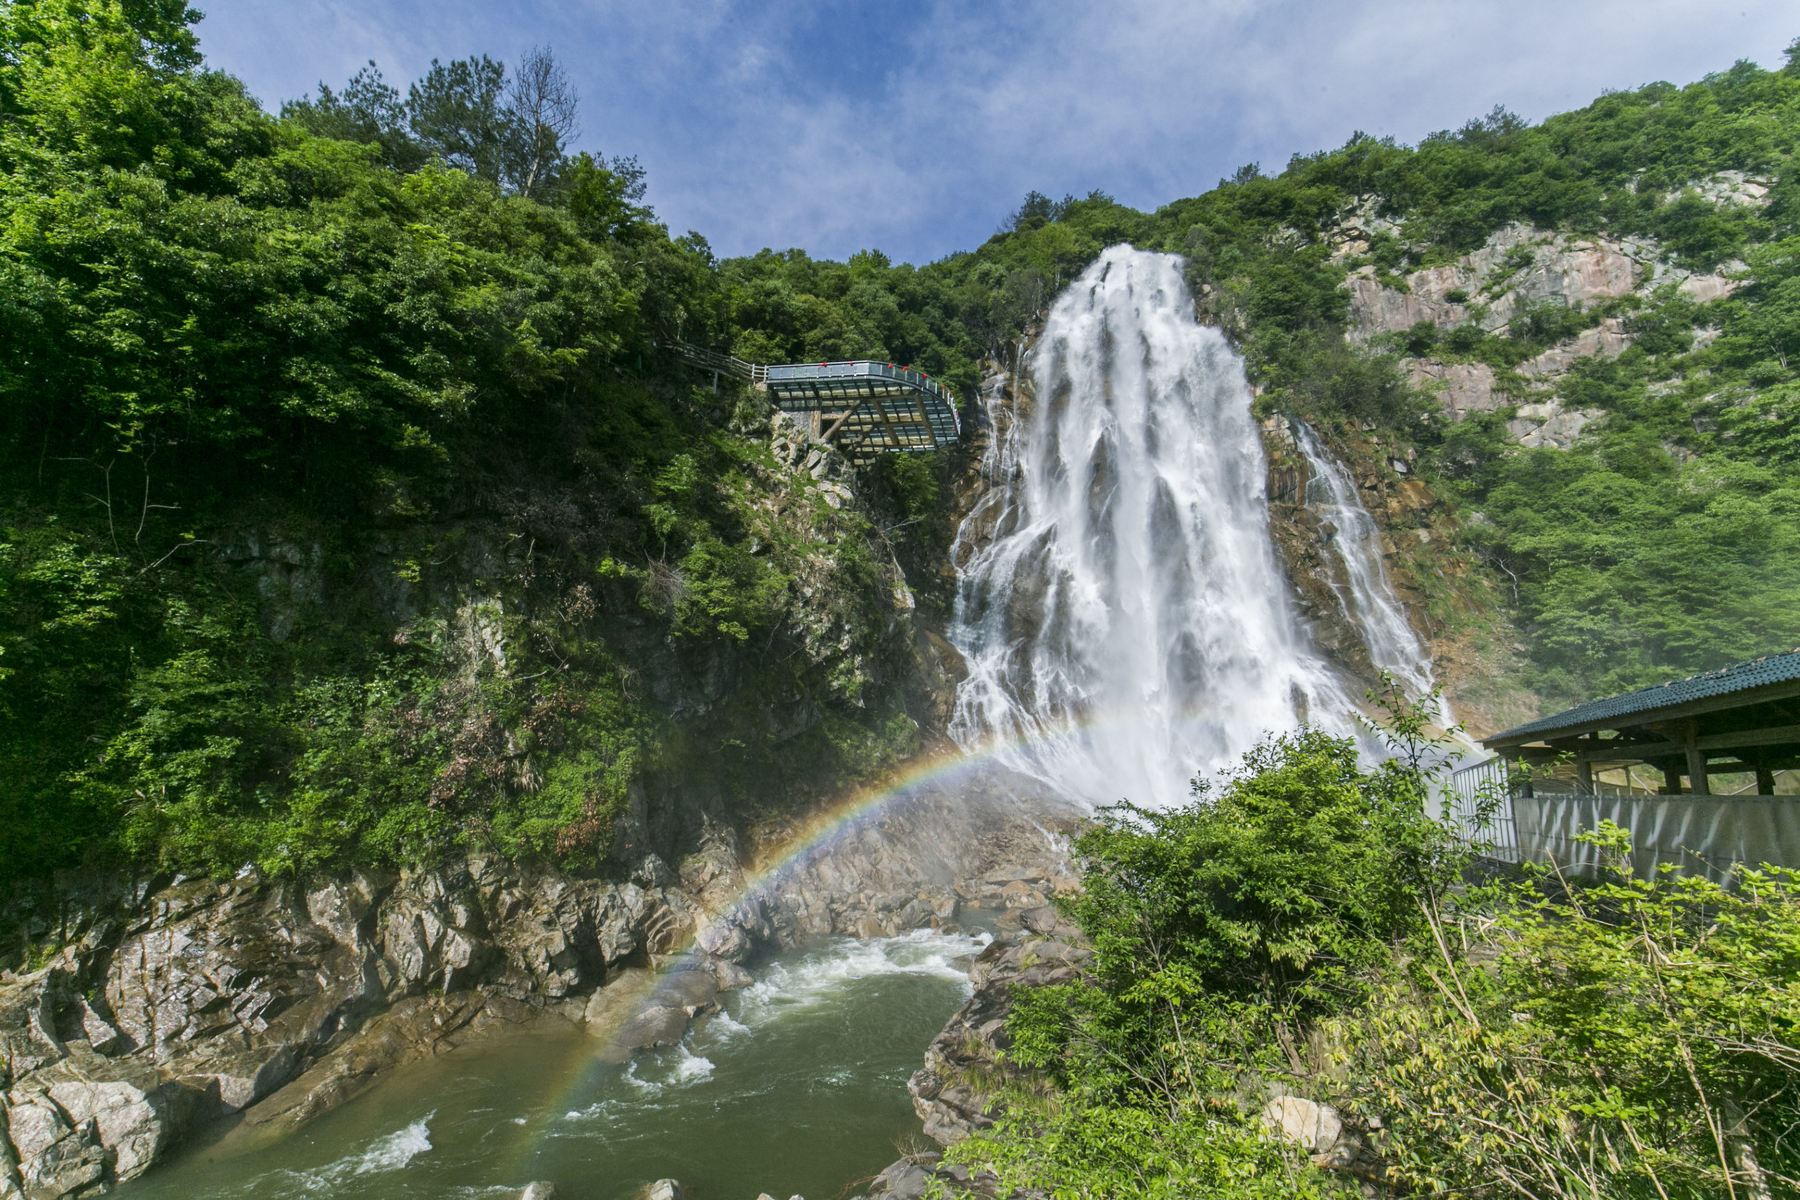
(544, 103)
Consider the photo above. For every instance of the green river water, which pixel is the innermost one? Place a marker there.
(798, 1087)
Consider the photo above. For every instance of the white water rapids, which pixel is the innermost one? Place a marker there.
(1125, 622)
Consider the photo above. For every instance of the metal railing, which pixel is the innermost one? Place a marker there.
(713, 360)
(1478, 804)
(857, 368)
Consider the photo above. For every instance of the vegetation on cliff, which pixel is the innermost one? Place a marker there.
(1663, 542)
(351, 510)
(1292, 994)
(354, 510)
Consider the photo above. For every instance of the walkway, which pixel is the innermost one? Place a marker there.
(862, 406)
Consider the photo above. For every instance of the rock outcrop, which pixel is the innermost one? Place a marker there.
(965, 1065)
(1518, 268)
(204, 999)
(955, 1092)
(179, 1005)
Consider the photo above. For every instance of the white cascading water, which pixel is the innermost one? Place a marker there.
(1125, 622)
(1365, 595)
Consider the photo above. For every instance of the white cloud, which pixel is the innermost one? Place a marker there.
(764, 124)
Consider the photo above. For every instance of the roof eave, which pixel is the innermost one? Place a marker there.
(1742, 698)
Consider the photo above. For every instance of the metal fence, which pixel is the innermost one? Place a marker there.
(728, 364)
(1478, 805)
(1513, 821)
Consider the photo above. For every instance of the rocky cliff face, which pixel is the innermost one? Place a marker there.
(1518, 267)
(200, 999)
(958, 1090)
(175, 1007)
(1463, 330)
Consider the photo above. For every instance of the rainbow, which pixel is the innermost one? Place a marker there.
(814, 835)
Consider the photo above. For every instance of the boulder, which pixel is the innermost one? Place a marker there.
(907, 1179)
(663, 1189)
(730, 976)
(132, 1120)
(693, 987)
(1313, 1127)
(55, 1158)
(726, 940)
(657, 1025)
(239, 1078)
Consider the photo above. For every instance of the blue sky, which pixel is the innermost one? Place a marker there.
(915, 128)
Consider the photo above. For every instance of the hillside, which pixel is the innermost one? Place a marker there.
(1577, 336)
(355, 510)
(355, 513)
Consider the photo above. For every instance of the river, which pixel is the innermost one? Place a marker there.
(797, 1087)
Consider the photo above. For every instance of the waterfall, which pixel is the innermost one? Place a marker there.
(1119, 603)
(1365, 594)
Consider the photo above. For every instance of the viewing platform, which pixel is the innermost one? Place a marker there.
(862, 406)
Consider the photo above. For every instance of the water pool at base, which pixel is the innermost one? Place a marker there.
(797, 1087)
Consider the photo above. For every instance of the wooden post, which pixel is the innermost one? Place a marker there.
(1765, 777)
(1671, 779)
(1696, 763)
(1584, 774)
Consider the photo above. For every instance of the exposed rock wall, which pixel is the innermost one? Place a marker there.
(173, 1006)
(203, 999)
(1517, 268)
(176, 1006)
(957, 1091)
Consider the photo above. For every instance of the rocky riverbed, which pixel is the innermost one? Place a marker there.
(956, 1092)
(174, 1007)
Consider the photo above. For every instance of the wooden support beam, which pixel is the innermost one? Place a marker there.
(887, 422)
(1626, 750)
(1584, 775)
(1696, 763)
(1671, 779)
(1774, 735)
(835, 425)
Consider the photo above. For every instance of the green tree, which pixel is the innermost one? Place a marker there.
(459, 113)
(367, 110)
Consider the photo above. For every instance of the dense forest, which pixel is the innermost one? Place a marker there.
(275, 388)
(353, 509)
